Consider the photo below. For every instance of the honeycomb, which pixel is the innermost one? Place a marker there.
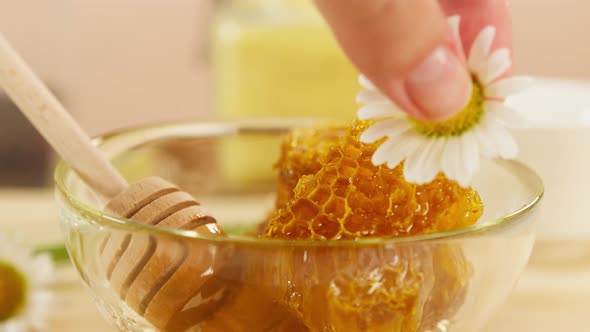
(300, 154)
(345, 289)
(330, 190)
(451, 272)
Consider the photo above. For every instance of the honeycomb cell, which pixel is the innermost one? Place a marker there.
(336, 207)
(300, 154)
(322, 225)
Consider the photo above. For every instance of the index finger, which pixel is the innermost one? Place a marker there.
(385, 35)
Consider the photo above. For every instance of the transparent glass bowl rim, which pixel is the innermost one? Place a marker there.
(140, 135)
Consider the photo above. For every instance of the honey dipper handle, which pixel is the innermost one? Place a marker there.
(51, 119)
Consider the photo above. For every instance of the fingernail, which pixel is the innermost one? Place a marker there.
(440, 86)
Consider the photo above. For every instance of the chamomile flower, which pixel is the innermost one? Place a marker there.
(25, 299)
(454, 146)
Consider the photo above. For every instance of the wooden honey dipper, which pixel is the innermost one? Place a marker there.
(161, 279)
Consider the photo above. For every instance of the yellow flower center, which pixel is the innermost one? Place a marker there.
(13, 290)
(469, 116)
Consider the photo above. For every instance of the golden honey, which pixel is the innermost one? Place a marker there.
(328, 189)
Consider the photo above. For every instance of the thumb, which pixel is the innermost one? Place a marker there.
(404, 48)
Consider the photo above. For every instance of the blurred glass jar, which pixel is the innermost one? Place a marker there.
(276, 55)
(279, 55)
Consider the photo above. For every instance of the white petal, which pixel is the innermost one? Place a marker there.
(42, 299)
(454, 21)
(507, 145)
(390, 128)
(508, 86)
(502, 113)
(13, 326)
(43, 269)
(370, 96)
(504, 142)
(468, 161)
(378, 131)
(451, 158)
(415, 169)
(393, 150)
(365, 83)
(408, 142)
(432, 163)
(470, 154)
(377, 111)
(498, 63)
(396, 154)
(480, 49)
(484, 139)
(383, 151)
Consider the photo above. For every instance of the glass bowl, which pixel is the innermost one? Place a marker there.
(452, 281)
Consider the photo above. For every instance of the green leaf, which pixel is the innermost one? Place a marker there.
(58, 252)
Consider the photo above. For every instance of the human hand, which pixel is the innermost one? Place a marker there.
(406, 48)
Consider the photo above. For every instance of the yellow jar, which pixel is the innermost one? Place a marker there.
(276, 58)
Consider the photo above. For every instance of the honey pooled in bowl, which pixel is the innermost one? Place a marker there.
(330, 190)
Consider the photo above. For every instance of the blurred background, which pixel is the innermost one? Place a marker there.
(116, 64)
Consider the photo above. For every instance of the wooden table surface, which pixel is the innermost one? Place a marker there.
(546, 299)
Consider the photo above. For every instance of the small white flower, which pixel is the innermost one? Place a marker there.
(25, 299)
(454, 146)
